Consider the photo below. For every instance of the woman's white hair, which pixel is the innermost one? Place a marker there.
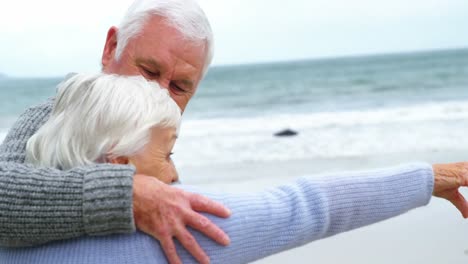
(186, 16)
(101, 116)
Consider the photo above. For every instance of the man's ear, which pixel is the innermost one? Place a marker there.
(110, 47)
(119, 160)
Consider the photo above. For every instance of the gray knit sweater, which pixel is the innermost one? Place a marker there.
(39, 205)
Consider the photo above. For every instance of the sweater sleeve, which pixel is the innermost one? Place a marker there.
(313, 208)
(38, 205)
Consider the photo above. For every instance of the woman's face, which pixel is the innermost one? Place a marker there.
(155, 159)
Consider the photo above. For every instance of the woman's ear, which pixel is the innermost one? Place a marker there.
(119, 160)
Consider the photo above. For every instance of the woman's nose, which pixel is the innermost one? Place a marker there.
(176, 178)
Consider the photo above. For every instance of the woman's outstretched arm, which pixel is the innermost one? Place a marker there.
(312, 208)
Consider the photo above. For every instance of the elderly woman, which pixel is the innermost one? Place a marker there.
(127, 120)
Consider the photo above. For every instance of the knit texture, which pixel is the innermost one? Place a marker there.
(38, 205)
(262, 223)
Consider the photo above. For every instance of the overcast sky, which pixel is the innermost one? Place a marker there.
(53, 37)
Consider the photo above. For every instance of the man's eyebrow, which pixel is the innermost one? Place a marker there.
(187, 83)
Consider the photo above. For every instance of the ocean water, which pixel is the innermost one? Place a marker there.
(344, 107)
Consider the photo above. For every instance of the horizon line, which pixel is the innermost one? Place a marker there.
(4, 75)
(344, 57)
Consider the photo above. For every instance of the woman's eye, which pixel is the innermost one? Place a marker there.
(169, 157)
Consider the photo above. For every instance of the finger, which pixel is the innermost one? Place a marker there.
(460, 203)
(202, 204)
(169, 249)
(192, 246)
(205, 226)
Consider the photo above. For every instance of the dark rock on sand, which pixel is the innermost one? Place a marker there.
(286, 133)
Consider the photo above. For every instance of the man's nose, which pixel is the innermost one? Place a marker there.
(163, 82)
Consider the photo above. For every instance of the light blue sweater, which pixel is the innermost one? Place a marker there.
(262, 223)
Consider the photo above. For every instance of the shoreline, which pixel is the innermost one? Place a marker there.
(269, 173)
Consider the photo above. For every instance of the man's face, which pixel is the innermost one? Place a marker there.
(159, 53)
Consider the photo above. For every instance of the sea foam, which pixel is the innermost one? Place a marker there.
(424, 127)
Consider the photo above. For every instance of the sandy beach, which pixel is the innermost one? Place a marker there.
(433, 234)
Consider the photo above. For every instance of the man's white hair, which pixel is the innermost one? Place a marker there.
(186, 16)
(100, 116)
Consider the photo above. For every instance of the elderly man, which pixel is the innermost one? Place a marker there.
(166, 41)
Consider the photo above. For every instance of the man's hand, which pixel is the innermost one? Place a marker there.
(163, 212)
(448, 179)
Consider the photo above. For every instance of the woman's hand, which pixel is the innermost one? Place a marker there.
(448, 178)
(163, 212)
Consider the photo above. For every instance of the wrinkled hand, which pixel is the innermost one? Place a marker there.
(448, 178)
(163, 212)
